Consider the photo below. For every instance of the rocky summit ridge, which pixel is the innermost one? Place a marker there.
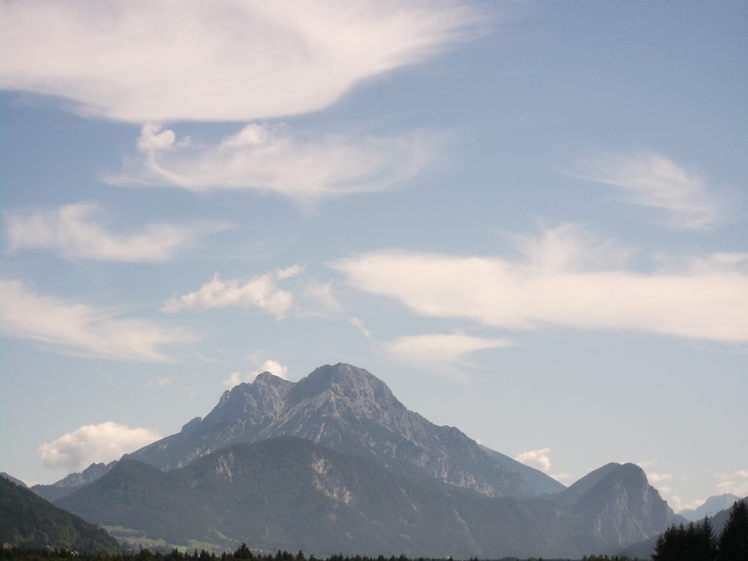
(346, 409)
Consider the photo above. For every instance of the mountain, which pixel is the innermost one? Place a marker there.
(72, 482)
(289, 493)
(347, 409)
(615, 506)
(12, 479)
(539, 482)
(29, 521)
(710, 507)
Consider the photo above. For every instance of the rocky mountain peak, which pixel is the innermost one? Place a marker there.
(616, 505)
(360, 390)
(349, 410)
(264, 396)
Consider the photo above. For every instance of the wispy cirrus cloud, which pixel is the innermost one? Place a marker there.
(80, 330)
(564, 278)
(437, 352)
(361, 326)
(79, 231)
(262, 158)
(261, 292)
(652, 180)
(230, 60)
(89, 444)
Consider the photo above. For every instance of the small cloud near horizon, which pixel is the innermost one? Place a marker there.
(89, 444)
(272, 366)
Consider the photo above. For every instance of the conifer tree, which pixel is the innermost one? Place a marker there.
(733, 541)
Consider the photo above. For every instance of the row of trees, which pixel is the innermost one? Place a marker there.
(697, 542)
(243, 553)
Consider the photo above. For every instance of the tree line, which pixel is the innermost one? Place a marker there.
(697, 542)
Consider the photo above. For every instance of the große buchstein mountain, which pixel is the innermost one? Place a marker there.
(335, 463)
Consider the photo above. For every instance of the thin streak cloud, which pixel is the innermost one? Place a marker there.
(76, 329)
(652, 180)
(78, 231)
(437, 352)
(270, 159)
(229, 60)
(552, 282)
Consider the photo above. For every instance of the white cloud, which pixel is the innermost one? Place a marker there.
(261, 292)
(77, 232)
(537, 459)
(728, 484)
(270, 159)
(227, 60)
(679, 504)
(439, 352)
(80, 330)
(93, 444)
(563, 279)
(658, 477)
(317, 299)
(358, 324)
(646, 463)
(272, 366)
(651, 179)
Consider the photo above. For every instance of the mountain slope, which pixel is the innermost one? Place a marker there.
(29, 521)
(615, 506)
(288, 493)
(346, 409)
(13, 479)
(538, 481)
(71, 483)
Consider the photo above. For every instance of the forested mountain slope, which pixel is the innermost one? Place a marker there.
(29, 521)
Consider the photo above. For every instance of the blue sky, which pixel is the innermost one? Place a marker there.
(527, 218)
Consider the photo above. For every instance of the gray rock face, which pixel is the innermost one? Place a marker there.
(615, 506)
(346, 409)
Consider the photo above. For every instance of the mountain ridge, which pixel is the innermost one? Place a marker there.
(347, 409)
(290, 493)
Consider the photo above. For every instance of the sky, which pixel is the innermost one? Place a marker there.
(528, 218)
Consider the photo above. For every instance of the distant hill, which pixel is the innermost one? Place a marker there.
(72, 482)
(710, 507)
(346, 409)
(29, 521)
(289, 493)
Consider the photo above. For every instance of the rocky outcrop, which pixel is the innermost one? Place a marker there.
(615, 506)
